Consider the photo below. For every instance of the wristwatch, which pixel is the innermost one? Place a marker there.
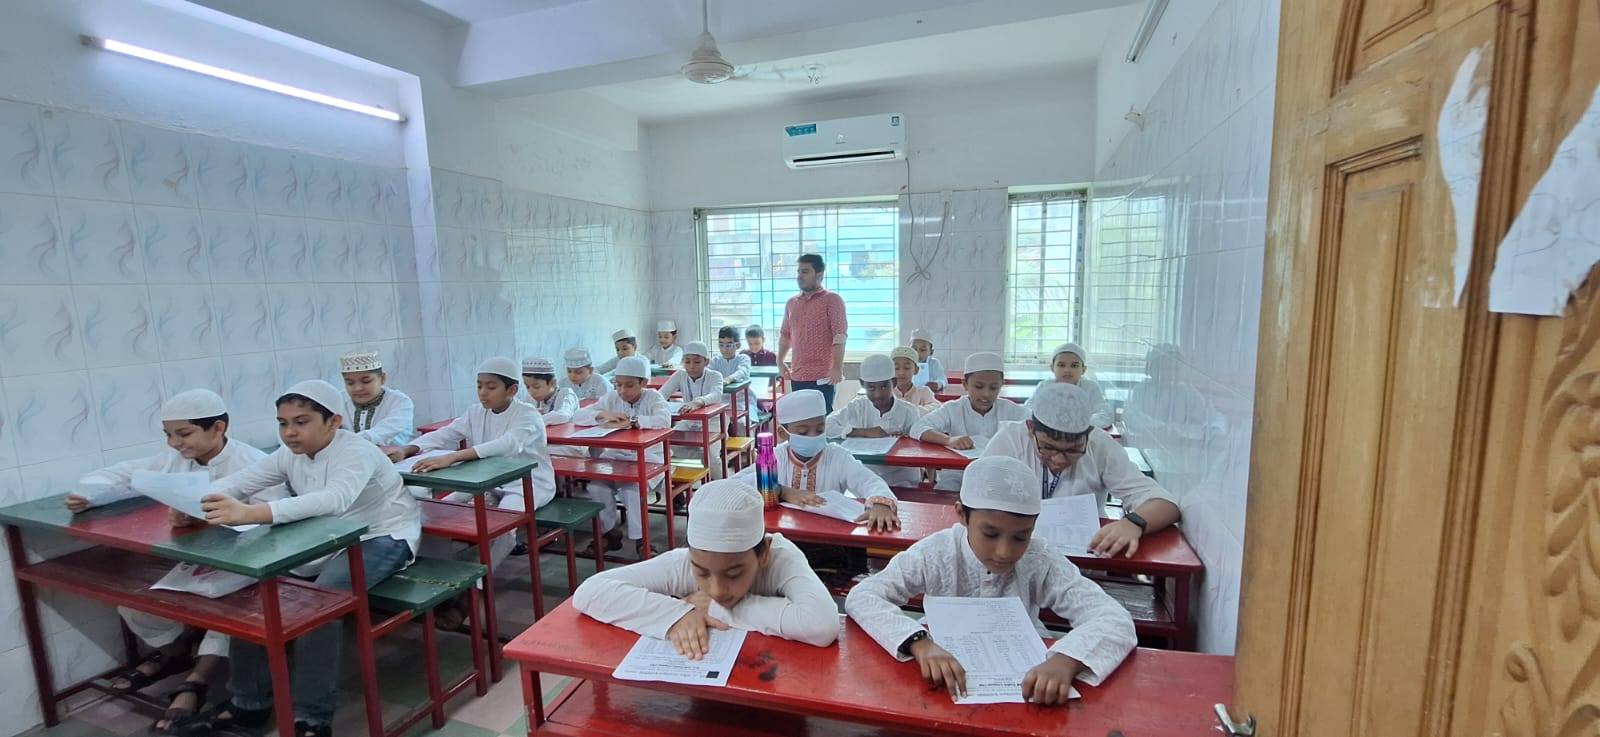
(916, 637)
(1136, 520)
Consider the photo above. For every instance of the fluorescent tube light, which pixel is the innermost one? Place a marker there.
(1147, 28)
(239, 77)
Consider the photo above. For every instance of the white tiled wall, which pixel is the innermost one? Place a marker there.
(1201, 163)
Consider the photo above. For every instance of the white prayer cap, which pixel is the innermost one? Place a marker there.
(1072, 348)
(920, 334)
(195, 404)
(634, 366)
(802, 405)
(577, 358)
(984, 361)
(622, 334)
(500, 366)
(666, 326)
(696, 348)
(877, 367)
(726, 517)
(537, 366)
(321, 392)
(1062, 406)
(1000, 482)
(909, 354)
(359, 361)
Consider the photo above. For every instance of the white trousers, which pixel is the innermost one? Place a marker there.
(607, 493)
(901, 476)
(160, 632)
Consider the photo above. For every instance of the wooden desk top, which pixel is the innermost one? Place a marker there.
(438, 425)
(1154, 692)
(140, 525)
(473, 477)
(917, 454)
(621, 439)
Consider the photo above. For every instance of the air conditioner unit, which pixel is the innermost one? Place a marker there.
(845, 141)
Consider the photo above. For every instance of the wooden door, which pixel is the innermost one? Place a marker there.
(1423, 553)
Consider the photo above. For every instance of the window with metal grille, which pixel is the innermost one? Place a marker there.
(1044, 288)
(748, 254)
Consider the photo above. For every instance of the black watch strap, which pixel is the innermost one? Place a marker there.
(1136, 520)
(916, 637)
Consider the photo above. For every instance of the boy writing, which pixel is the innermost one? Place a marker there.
(758, 353)
(969, 422)
(878, 415)
(631, 406)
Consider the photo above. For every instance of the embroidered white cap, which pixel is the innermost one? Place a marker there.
(634, 366)
(726, 517)
(622, 334)
(359, 361)
(500, 366)
(194, 404)
(910, 354)
(798, 406)
(877, 367)
(1000, 482)
(577, 358)
(984, 361)
(537, 366)
(1062, 406)
(321, 392)
(1072, 348)
(666, 326)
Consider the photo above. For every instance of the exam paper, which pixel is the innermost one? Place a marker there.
(181, 491)
(1069, 522)
(869, 446)
(973, 453)
(406, 465)
(838, 506)
(100, 492)
(993, 638)
(593, 432)
(657, 660)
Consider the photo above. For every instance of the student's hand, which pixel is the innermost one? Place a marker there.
(880, 518)
(935, 386)
(700, 599)
(435, 463)
(399, 454)
(222, 509)
(179, 519)
(689, 633)
(939, 667)
(694, 405)
(802, 498)
(1120, 537)
(1050, 683)
(961, 442)
(620, 423)
(869, 432)
(76, 503)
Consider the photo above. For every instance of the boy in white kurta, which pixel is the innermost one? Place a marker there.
(809, 465)
(632, 406)
(666, 353)
(878, 415)
(969, 422)
(382, 416)
(930, 371)
(732, 574)
(992, 553)
(556, 403)
(499, 426)
(1067, 365)
(195, 423)
(328, 472)
(696, 386)
(1067, 454)
(581, 377)
(905, 385)
(626, 344)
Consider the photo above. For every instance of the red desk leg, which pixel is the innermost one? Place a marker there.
(480, 512)
(532, 699)
(644, 493)
(278, 658)
(475, 616)
(599, 546)
(1181, 615)
(364, 648)
(532, 531)
(29, 604)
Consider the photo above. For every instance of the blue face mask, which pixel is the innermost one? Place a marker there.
(807, 446)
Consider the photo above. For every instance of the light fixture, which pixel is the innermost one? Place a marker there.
(158, 57)
(1147, 28)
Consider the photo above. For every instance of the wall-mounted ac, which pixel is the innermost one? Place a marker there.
(845, 141)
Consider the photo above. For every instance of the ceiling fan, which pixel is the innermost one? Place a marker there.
(707, 65)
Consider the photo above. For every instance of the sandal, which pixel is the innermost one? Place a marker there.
(613, 542)
(305, 729)
(179, 719)
(448, 612)
(165, 666)
(225, 716)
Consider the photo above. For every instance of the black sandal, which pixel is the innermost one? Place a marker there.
(225, 716)
(305, 729)
(179, 719)
(165, 667)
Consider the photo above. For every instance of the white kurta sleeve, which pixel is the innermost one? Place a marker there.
(395, 424)
(641, 597)
(564, 407)
(939, 419)
(590, 415)
(523, 430)
(875, 603)
(747, 475)
(264, 478)
(1120, 477)
(860, 480)
(608, 366)
(740, 369)
(345, 481)
(449, 437)
(1102, 630)
(802, 610)
(842, 421)
(114, 483)
(713, 388)
(653, 413)
(672, 357)
(677, 383)
(1008, 443)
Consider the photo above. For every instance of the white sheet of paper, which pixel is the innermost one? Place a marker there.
(973, 453)
(1555, 239)
(869, 446)
(993, 638)
(181, 491)
(1461, 126)
(1069, 522)
(594, 432)
(657, 660)
(838, 506)
(201, 580)
(101, 492)
(406, 465)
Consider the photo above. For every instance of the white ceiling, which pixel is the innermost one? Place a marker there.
(474, 11)
(966, 57)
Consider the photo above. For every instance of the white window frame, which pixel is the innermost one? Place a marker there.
(1039, 354)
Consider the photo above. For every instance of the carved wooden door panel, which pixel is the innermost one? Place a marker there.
(1424, 515)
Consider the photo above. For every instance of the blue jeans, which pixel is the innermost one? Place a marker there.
(826, 389)
(314, 673)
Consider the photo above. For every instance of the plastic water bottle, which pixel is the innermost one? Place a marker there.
(767, 469)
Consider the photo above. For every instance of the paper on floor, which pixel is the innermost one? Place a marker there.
(993, 638)
(658, 660)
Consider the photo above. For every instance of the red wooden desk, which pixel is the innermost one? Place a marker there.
(430, 427)
(705, 438)
(1020, 377)
(638, 471)
(1162, 555)
(1153, 693)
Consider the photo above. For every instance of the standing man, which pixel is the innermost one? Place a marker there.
(814, 325)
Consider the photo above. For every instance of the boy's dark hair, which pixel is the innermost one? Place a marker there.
(729, 332)
(630, 341)
(205, 423)
(754, 331)
(506, 380)
(541, 377)
(761, 547)
(965, 512)
(1054, 434)
(306, 402)
(814, 260)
